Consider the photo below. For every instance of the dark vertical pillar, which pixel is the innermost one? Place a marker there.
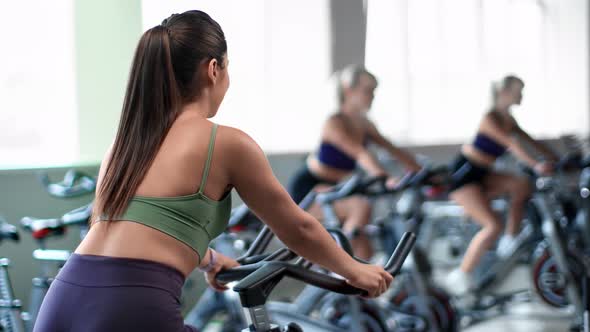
(349, 29)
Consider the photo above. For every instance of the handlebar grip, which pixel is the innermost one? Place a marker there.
(26, 222)
(8, 231)
(252, 264)
(80, 215)
(238, 272)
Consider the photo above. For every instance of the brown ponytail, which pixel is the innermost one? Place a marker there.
(164, 75)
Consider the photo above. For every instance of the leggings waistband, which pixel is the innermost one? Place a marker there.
(104, 271)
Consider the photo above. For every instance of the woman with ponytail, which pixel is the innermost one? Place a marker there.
(164, 193)
(475, 183)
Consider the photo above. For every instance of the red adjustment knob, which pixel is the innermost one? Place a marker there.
(46, 232)
(42, 233)
(237, 228)
(435, 191)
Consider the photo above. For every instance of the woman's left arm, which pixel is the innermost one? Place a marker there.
(400, 154)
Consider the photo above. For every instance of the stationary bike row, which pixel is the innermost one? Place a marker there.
(342, 313)
(484, 302)
(49, 259)
(12, 318)
(351, 313)
(561, 266)
(413, 291)
(10, 306)
(447, 220)
(74, 184)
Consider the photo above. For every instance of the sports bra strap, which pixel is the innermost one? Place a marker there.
(209, 157)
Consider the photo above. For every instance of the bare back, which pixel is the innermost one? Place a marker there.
(176, 171)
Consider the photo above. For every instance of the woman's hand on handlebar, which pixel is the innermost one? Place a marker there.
(391, 182)
(223, 263)
(372, 278)
(544, 168)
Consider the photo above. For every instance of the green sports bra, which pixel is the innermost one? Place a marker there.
(192, 219)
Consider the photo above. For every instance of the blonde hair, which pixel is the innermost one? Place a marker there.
(349, 77)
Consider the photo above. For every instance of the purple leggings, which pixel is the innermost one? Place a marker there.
(98, 293)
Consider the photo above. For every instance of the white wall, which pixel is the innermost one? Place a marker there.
(567, 68)
(279, 66)
(436, 60)
(37, 83)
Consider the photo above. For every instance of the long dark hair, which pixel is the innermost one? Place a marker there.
(164, 75)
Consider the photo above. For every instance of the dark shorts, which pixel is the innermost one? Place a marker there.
(303, 182)
(464, 171)
(97, 293)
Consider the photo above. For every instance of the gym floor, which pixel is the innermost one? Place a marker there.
(531, 316)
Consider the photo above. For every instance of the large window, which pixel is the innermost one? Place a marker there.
(37, 83)
(279, 53)
(436, 60)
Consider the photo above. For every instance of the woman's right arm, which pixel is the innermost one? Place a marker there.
(546, 151)
(508, 138)
(251, 175)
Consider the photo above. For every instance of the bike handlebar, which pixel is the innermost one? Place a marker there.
(253, 275)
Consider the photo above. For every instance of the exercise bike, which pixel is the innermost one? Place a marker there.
(11, 316)
(260, 278)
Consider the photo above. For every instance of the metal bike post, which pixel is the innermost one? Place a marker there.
(10, 308)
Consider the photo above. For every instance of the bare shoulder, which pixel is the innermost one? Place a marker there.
(490, 116)
(335, 119)
(241, 155)
(233, 137)
(335, 122)
(193, 135)
(492, 120)
(235, 143)
(500, 121)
